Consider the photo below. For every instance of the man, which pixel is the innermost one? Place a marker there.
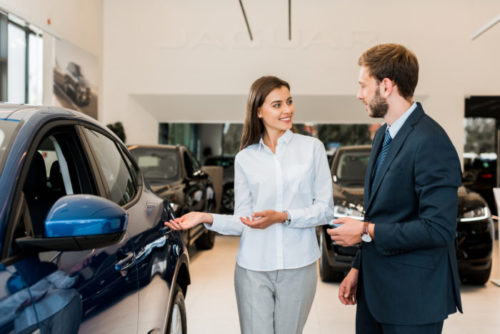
(404, 278)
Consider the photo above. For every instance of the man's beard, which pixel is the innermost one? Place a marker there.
(378, 106)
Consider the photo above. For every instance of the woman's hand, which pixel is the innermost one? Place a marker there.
(189, 220)
(264, 219)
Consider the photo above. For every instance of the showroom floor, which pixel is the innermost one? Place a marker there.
(211, 303)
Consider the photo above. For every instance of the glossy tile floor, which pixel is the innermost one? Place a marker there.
(211, 302)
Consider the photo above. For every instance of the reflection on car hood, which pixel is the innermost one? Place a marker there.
(344, 195)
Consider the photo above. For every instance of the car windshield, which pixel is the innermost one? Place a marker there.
(351, 167)
(7, 130)
(157, 165)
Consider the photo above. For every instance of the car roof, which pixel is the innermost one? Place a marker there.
(24, 112)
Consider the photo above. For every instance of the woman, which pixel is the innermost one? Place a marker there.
(282, 191)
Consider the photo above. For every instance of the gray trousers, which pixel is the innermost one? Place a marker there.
(274, 301)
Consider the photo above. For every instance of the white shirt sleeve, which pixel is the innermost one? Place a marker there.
(320, 212)
(231, 224)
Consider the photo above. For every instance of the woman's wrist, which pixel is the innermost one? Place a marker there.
(208, 218)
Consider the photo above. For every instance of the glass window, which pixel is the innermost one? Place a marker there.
(16, 76)
(35, 75)
(157, 165)
(117, 176)
(352, 167)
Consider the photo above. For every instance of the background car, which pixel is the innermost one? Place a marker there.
(480, 175)
(174, 173)
(76, 85)
(83, 244)
(474, 239)
(227, 163)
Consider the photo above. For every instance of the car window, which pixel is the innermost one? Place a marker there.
(57, 167)
(157, 165)
(116, 174)
(352, 166)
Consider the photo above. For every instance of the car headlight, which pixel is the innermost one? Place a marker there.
(475, 214)
(347, 211)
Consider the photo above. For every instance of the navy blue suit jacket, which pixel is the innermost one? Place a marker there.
(409, 271)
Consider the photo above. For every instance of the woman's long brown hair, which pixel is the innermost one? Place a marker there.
(253, 127)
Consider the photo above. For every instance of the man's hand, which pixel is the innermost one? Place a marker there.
(264, 219)
(349, 233)
(349, 287)
(189, 220)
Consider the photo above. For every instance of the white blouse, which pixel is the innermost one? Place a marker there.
(297, 179)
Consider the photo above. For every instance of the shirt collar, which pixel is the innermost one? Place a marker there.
(396, 126)
(284, 139)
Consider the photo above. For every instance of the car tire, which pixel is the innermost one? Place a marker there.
(326, 272)
(177, 323)
(479, 278)
(206, 240)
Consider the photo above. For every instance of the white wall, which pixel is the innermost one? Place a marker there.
(76, 21)
(177, 60)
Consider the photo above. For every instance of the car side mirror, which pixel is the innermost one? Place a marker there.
(79, 222)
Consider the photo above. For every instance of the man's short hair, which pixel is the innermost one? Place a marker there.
(395, 62)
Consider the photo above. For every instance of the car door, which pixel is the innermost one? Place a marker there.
(63, 291)
(154, 249)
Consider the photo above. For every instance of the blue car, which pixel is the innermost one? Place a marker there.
(82, 241)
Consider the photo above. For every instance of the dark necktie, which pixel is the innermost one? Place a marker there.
(383, 152)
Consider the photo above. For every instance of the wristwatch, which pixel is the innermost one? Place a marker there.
(365, 236)
(288, 218)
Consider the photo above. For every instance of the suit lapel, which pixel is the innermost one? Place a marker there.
(394, 148)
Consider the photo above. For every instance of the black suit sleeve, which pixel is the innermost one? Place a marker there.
(437, 175)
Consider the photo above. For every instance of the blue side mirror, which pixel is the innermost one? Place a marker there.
(84, 215)
(79, 222)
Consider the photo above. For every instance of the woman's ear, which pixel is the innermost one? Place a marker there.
(259, 113)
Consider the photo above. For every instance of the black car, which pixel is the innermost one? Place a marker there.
(76, 85)
(480, 175)
(474, 239)
(174, 174)
(83, 244)
(227, 163)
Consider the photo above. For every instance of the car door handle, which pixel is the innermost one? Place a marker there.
(124, 264)
(150, 208)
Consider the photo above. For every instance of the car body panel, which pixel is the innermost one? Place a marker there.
(90, 291)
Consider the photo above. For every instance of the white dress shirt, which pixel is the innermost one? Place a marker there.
(394, 128)
(297, 179)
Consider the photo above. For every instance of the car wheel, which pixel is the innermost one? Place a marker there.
(177, 318)
(326, 272)
(206, 240)
(479, 278)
